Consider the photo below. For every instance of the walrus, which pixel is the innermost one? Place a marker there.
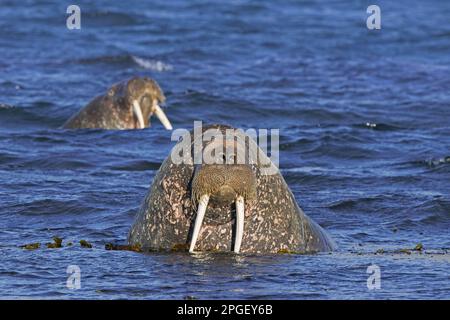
(126, 105)
(228, 206)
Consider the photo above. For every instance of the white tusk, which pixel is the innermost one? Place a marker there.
(162, 117)
(240, 209)
(202, 204)
(138, 113)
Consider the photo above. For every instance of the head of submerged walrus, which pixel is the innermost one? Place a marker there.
(232, 205)
(126, 105)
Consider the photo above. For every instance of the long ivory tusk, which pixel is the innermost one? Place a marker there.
(202, 204)
(138, 113)
(240, 209)
(162, 117)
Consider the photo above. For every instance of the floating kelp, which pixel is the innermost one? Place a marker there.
(31, 246)
(85, 244)
(118, 247)
(57, 243)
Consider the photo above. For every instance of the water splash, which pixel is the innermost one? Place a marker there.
(154, 65)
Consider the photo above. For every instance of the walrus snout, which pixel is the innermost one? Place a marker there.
(222, 184)
(145, 95)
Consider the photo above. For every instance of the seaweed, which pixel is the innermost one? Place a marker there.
(180, 247)
(85, 244)
(57, 243)
(31, 246)
(118, 247)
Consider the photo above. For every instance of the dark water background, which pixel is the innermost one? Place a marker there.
(364, 118)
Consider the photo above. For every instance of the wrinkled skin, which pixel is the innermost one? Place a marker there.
(114, 109)
(274, 223)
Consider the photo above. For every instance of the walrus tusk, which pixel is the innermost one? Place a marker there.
(239, 223)
(138, 113)
(202, 204)
(162, 117)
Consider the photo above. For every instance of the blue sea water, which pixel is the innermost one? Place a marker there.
(364, 118)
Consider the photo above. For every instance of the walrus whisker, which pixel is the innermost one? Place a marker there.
(162, 117)
(240, 210)
(138, 113)
(202, 205)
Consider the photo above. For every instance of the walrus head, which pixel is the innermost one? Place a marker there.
(220, 185)
(144, 96)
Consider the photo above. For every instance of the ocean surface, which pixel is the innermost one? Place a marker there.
(364, 118)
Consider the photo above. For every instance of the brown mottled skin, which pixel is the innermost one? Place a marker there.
(274, 223)
(113, 110)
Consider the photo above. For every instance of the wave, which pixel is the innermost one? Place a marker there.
(154, 65)
(427, 165)
(29, 116)
(108, 18)
(437, 162)
(379, 126)
(128, 60)
(135, 165)
(5, 106)
(52, 206)
(433, 212)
